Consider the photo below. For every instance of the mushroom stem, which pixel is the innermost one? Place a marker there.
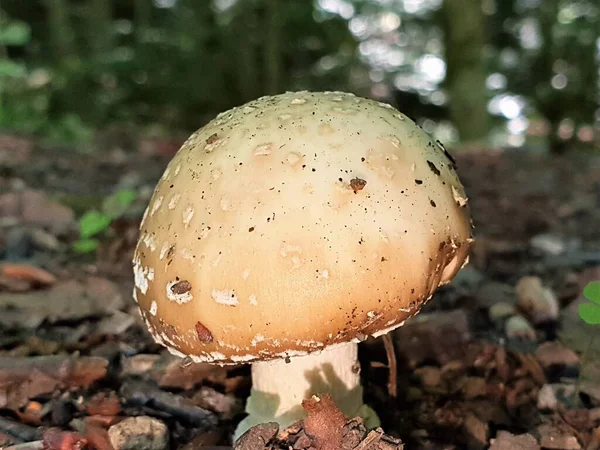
(278, 388)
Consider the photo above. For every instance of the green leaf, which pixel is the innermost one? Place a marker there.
(92, 223)
(117, 204)
(85, 245)
(15, 33)
(592, 292)
(12, 69)
(590, 313)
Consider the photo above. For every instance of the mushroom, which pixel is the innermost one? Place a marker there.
(291, 228)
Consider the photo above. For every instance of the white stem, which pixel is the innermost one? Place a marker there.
(278, 388)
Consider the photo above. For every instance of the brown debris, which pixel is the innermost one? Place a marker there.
(144, 393)
(54, 439)
(181, 287)
(24, 378)
(507, 441)
(28, 273)
(553, 438)
(353, 436)
(68, 300)
(103, 404)
(440, 336)
(555, 354)
(257, 437)
(204, 334)
(170, 372)
(324, 422)
(357, 184)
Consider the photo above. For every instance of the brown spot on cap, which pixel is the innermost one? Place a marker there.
(433, 168)
(171, 252)
(212, 138)
(181, 287)
(204, 334)
(357, 184)
(419, 181)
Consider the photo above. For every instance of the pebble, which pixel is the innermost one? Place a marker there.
(518, 327)
(539, 303)
(139, 433)
(430, 376)
(549, 244)
(553, 353)
(551, 438)
(500, 311)
(44, 240)
(546, 399)
(476, 431)
(507, 441)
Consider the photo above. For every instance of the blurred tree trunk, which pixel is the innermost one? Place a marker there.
(59, 29)
(141, 19)
(271, 46)
(99, 17)
(463, 24)
(548, 101)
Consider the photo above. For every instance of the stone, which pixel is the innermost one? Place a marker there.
(507, 441)
(539, 303)
(139, 433)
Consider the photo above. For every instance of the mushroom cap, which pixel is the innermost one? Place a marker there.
(296, 222)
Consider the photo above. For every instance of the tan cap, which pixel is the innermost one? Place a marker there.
(295, 222)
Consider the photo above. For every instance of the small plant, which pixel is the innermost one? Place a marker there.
(589, 312)
(94, 222)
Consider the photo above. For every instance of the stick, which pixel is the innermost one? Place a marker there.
(392, 366)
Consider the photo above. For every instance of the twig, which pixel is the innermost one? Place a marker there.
(392, 366)
(145, 393)
(18, 431)
(372, 437)
(34, 445)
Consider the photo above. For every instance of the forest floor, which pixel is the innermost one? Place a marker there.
(491, 362)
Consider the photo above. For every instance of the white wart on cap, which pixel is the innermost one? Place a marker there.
(295, 222)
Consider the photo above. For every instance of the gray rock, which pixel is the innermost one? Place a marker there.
(518, 327)
(139, 433)
(507, 441)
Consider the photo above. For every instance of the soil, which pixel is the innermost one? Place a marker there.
(494, 360)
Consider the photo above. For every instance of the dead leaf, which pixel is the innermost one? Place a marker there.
(324, 422)
(53, 439)
(104, 404)
(68, 300)
(24, 378)
(29, 273)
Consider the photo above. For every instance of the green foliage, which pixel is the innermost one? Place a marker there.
(15, 32)
(85, 245)
(180, 63)
(69, 129)
(11, 69)
(116, 205)
(590, 312)
(94, 222)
